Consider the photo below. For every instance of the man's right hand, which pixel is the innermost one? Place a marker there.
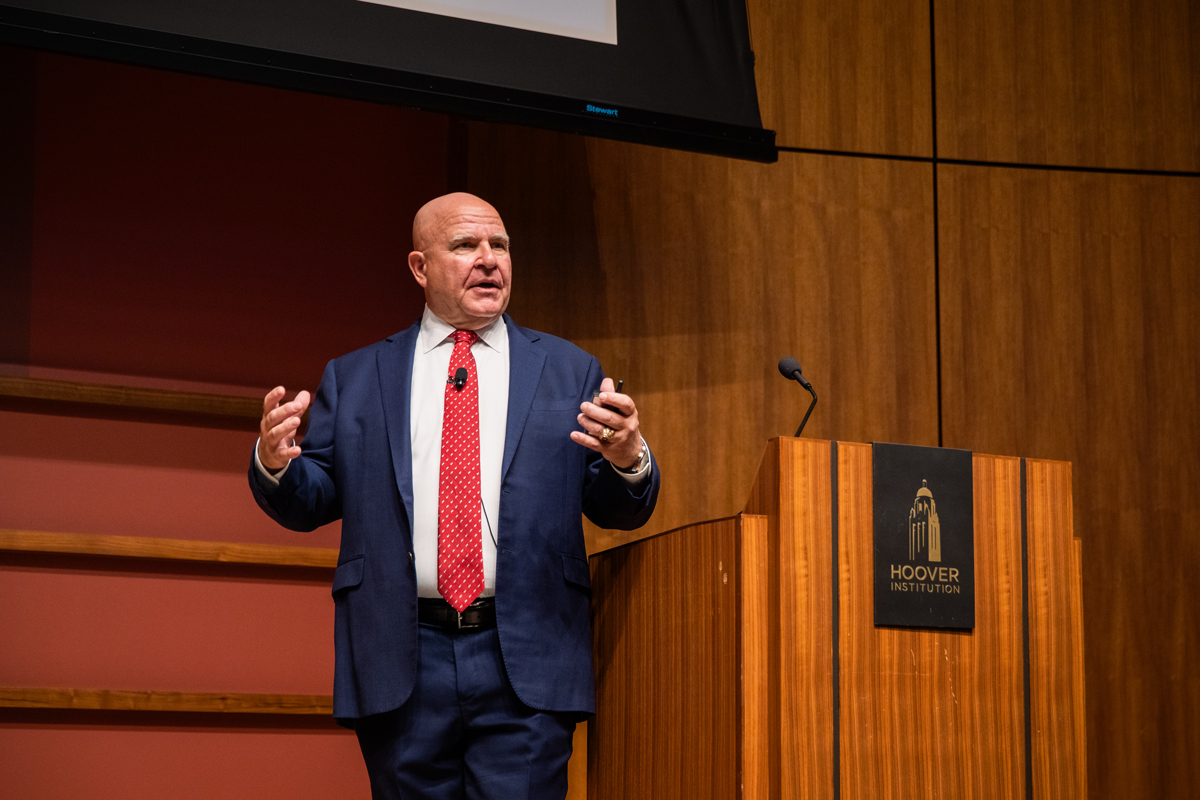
(277, 430)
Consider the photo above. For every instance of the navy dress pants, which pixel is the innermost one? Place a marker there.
(463, 734)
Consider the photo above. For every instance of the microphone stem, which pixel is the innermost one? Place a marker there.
(804, 421)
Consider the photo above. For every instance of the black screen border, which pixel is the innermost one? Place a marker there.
(70, 35)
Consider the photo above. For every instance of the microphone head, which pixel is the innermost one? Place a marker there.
(789, 367)
(460, 377)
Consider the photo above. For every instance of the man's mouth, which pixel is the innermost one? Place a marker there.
(486, 285)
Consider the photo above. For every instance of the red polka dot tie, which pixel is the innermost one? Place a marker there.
(460, 549)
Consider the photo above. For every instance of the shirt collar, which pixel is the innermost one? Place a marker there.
(434, 331)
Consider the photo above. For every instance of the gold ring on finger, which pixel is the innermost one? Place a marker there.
(606, 435)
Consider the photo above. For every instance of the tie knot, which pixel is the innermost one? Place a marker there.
(466, 337)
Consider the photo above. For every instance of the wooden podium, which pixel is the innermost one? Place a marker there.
(739, 657)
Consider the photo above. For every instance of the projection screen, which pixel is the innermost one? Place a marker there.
(673, 73)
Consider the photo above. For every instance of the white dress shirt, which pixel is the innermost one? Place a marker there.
(431, 365)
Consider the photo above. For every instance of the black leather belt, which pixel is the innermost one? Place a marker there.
(478, 616)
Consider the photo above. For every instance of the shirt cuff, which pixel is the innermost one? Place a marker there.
(631, 477)
(269, 478)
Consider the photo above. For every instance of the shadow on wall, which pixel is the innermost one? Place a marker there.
(543, 191)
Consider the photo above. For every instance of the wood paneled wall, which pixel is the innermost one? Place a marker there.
(838, 75)
(1059, 303)
(1069, 331)
(691, 276)
(1070, 82)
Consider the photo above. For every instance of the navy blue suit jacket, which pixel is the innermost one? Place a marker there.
(357, 466)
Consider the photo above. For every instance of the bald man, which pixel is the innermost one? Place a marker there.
(460, 455)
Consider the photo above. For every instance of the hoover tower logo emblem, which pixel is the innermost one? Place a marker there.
(924, 542)
(924, 531)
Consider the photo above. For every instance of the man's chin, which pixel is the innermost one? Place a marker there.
(488, 303)
(484, 312)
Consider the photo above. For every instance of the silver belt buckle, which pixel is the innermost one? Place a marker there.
(459, 614)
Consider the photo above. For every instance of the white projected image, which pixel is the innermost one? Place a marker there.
(593, 20)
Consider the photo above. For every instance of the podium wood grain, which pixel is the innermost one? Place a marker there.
(932, 713)
(666, 624)
(1055, 636)
(804, 614)
(759, 667)
(715, 650)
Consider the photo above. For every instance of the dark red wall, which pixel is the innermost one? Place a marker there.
(163, 226)
(214, 231)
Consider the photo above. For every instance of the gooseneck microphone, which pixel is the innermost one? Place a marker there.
(790, 369)
(459, 380)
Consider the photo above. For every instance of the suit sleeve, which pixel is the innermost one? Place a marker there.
(609, 500)
(307, 497)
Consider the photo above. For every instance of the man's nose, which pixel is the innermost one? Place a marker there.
(487, 256)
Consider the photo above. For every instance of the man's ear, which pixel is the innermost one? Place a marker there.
(416, 264)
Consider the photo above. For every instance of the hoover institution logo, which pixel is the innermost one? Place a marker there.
(924, 540)
(924, 546)
(923, 529)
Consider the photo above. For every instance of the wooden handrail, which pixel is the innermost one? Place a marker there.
(217, 405)
(168, 549)
(206, 702)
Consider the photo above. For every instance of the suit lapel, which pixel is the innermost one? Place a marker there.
(395, 364)
(525, 362)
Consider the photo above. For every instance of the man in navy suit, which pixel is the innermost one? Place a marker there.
(460, 455)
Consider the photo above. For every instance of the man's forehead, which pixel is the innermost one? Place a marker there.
(442, 217)
(473, 223)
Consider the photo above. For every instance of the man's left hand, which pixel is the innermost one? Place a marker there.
(625, 443)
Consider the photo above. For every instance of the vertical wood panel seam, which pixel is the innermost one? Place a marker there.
(837, 689)
(933, 87)
(1025, 633)
(937, 307)
(937, 278)
(739, 617)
